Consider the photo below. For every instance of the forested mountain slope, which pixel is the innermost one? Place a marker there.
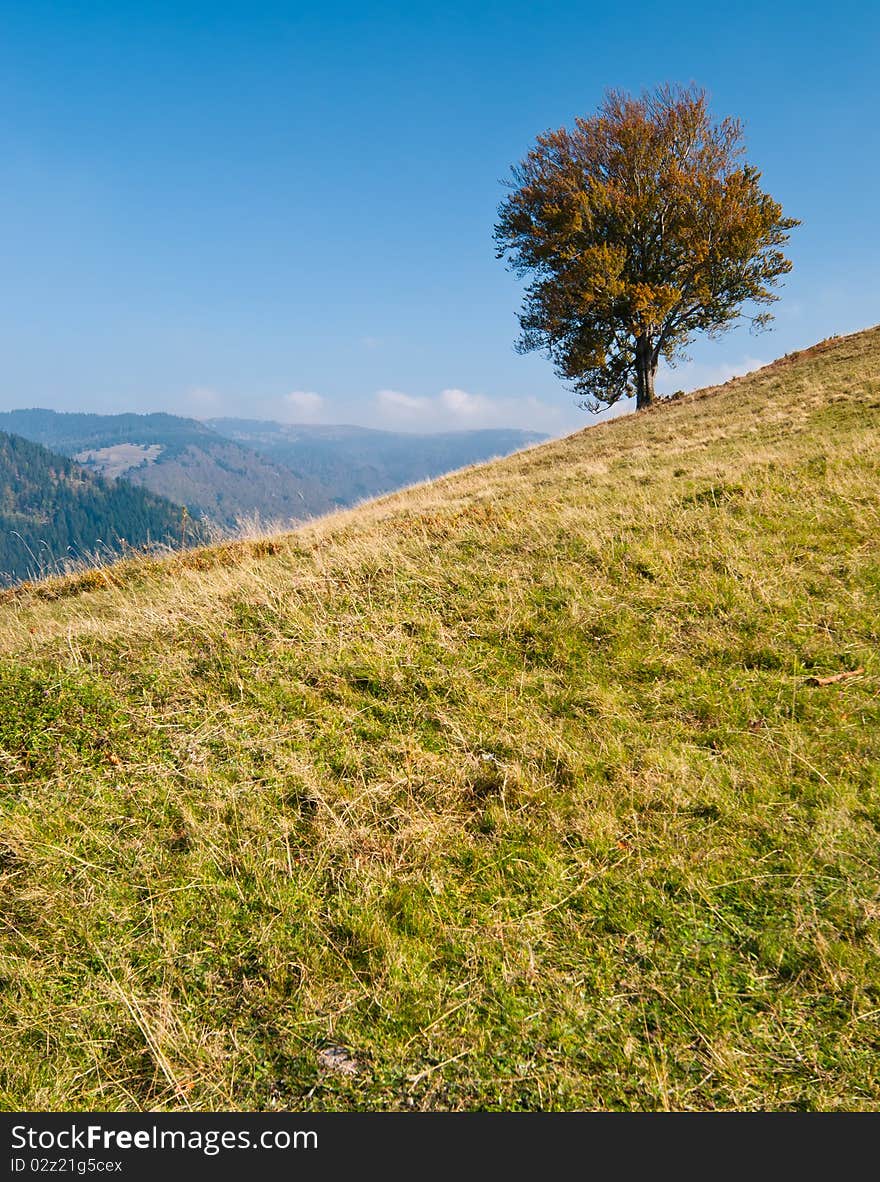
(53, 512)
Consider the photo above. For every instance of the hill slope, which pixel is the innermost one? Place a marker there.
(522, 787)
(52, 511)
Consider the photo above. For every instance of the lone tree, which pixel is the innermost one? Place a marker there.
(639, 227)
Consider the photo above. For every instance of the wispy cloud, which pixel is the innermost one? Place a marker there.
(463, 405)
(395, 402)
(305, 403)
(456, 409)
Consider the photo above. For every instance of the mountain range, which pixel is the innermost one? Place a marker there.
(230, 470)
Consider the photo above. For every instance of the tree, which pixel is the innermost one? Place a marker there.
(639, 228)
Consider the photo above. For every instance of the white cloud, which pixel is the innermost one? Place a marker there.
(306, 403)
(396, 401)
(455, 409)
(465, 405)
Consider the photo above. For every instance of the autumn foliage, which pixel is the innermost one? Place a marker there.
(638, 228)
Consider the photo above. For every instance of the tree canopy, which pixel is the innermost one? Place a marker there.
(638, 228)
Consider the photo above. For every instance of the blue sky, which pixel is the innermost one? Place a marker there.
(284, 210)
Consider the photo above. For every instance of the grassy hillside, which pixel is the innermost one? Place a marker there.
(522, 789)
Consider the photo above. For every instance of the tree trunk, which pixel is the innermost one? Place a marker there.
(646, 368)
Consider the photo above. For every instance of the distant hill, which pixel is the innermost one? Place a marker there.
(181, 459)
(354, 463)
(80, 432)
(52, 511)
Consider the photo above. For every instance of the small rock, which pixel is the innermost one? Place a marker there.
(337, 1059)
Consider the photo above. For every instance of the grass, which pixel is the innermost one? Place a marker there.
(510, 791)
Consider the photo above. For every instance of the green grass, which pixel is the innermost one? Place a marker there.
(514, 785)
